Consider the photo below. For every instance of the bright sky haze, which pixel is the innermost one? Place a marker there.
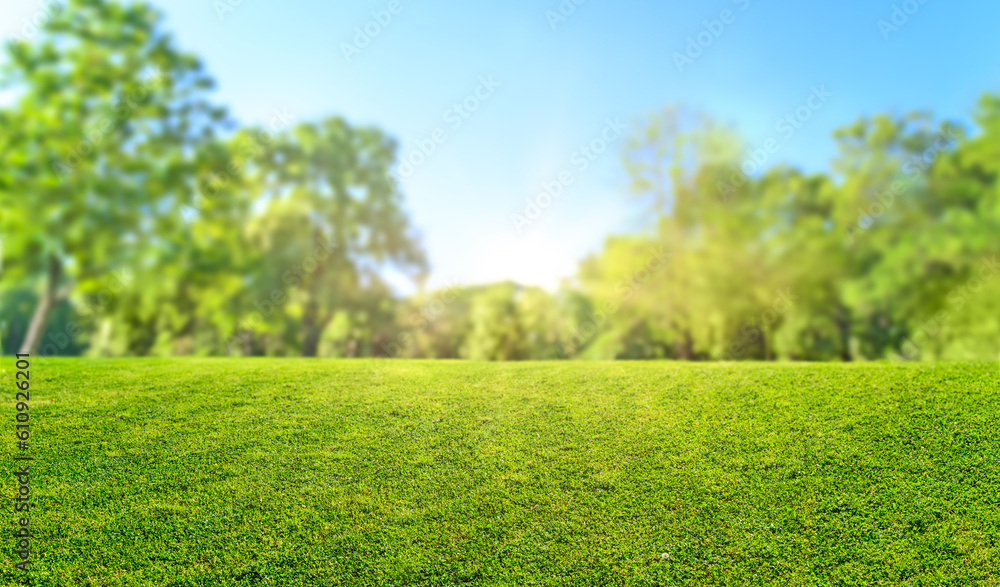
(492, 101)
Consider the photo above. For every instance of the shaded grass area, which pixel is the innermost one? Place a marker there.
(377, 473)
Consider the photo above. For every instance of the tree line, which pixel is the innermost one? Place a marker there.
(139, 219)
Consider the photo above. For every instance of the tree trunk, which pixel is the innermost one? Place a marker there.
(310, 326)
(314, 327)
(44, 308)
(844, 329)
(685, 347)
(311, 323)
(310, 346)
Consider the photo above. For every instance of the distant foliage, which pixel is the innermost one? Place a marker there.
(139, 219)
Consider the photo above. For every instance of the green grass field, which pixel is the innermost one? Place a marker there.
(299, 472)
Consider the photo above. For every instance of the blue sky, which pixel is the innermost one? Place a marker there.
(558, 85)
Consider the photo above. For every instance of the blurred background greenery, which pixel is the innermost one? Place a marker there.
(139, 219)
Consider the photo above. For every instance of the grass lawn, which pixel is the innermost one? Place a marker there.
(315, 472)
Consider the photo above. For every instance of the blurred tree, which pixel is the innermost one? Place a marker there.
(98, 148)
(331, 221)
(430, 325)
(496, 332)
(892, 263)
(245, 242)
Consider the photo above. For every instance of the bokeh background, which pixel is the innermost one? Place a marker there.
(736, 180)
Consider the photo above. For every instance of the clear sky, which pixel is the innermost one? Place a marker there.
(560, 81)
